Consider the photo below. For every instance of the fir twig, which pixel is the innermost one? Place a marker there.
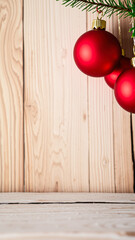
(121, 7)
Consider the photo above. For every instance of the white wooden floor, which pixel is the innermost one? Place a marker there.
(78, 216)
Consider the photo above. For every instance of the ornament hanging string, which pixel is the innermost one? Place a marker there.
(98, 12)
(120, 37)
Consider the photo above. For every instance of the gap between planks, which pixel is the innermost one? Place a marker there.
(61, 203)
(132, 147)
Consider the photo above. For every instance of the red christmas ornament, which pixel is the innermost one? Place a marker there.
(97, 52)
(125, 90)
(124, 64)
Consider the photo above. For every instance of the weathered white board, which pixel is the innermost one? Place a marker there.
(80, 221)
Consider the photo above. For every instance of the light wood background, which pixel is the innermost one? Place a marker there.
(59, 129)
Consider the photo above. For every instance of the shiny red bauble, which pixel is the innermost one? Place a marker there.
(97, 52)
(125, 90)
(124, 64)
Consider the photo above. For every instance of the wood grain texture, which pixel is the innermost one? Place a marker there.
(56, 131)
(11, 96)
(80, 221)
(27, 198)
(121, 124)
(101, 152)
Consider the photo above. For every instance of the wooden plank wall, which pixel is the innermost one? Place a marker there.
(76, 137)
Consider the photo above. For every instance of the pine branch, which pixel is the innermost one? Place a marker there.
(110, 6)
(101, 4)
(122, 7)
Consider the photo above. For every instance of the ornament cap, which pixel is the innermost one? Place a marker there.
(98, 24)
(133, 61)
(123, 52)
(134, 50)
